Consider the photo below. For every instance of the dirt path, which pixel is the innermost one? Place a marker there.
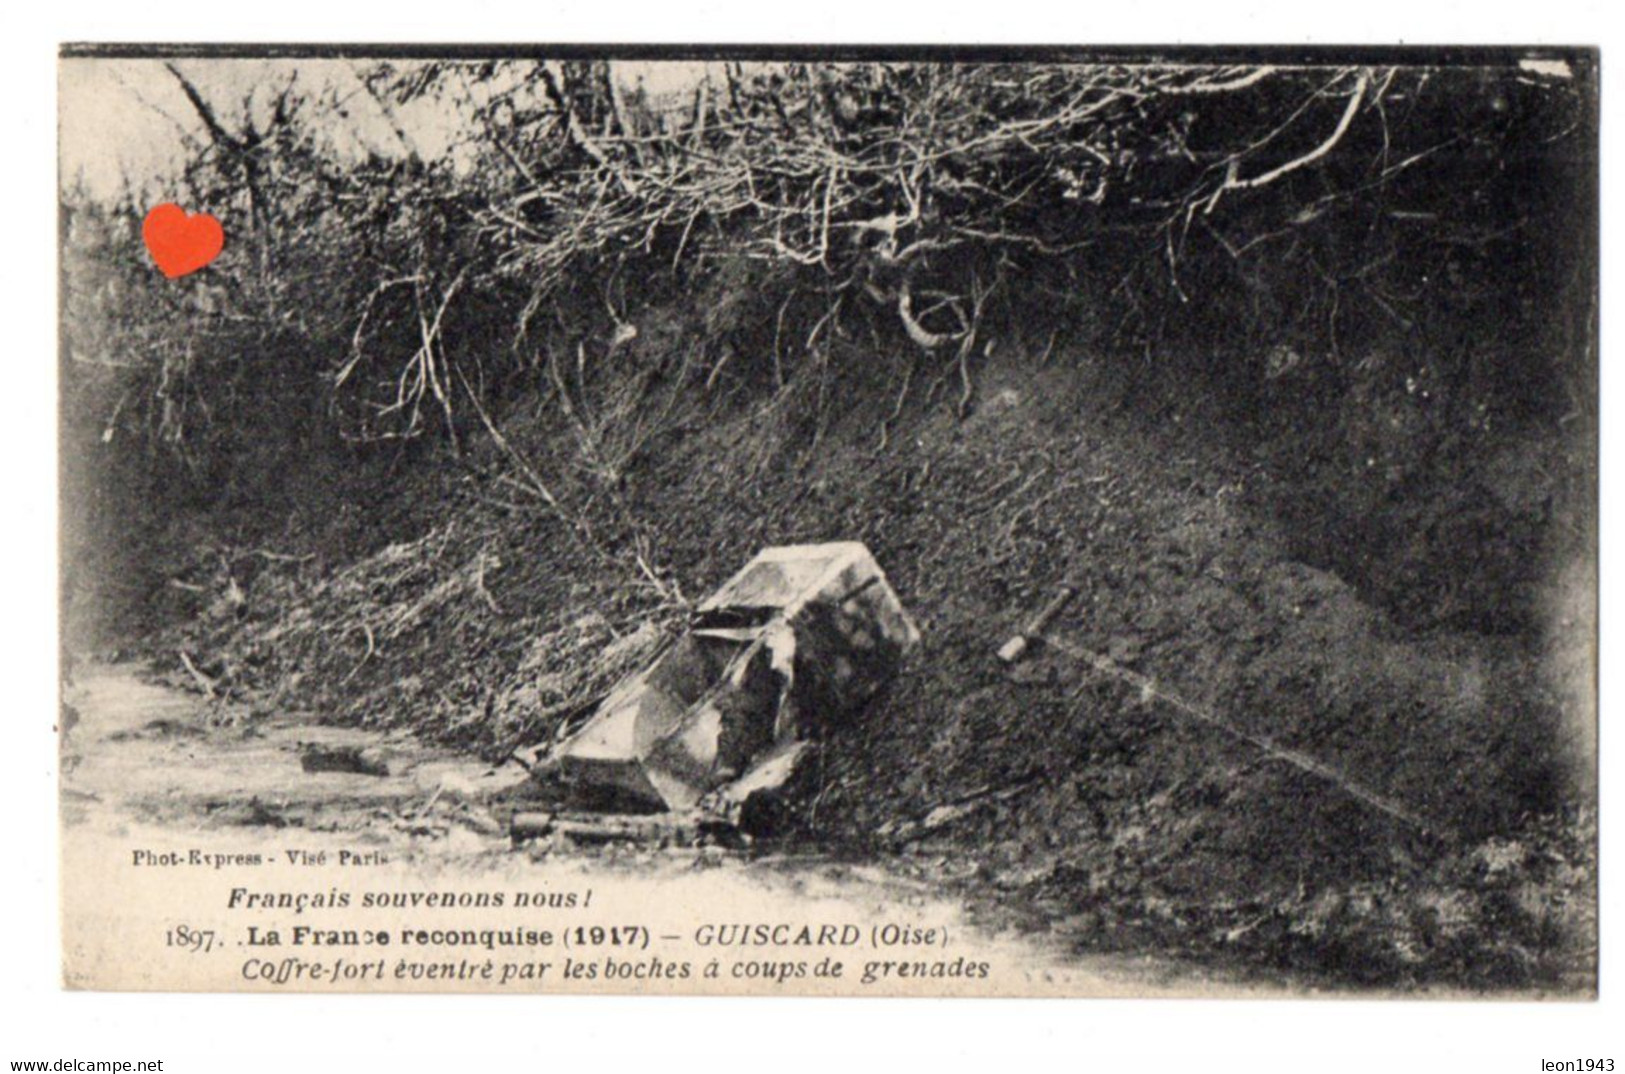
(151, 770)
(147, 754)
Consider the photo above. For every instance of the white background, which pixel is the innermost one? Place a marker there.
(503, 1033)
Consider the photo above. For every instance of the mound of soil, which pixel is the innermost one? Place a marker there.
(1088, 807)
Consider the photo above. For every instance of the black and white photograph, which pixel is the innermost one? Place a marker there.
(840, 521)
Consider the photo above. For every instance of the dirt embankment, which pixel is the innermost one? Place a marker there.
(1092, 809)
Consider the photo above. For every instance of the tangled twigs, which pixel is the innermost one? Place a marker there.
(372, 649)
(924, 337)
(979, 298)
(533, 482)
(431, 358)
(209, 686)
(897, 406)
(1362, 82)
(480, 563)
(669, 590)
(881, 178)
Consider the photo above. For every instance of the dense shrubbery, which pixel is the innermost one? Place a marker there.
(1359, 249)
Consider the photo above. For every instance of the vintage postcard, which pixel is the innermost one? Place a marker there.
(796, 521)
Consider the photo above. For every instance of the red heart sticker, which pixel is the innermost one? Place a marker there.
(180, 243)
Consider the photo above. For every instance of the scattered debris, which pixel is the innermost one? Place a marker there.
(163, 727)
(758, 803)
(591, 829)
(314, 757)
(801, 638)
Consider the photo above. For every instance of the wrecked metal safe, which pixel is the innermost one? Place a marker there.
(803, 636)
